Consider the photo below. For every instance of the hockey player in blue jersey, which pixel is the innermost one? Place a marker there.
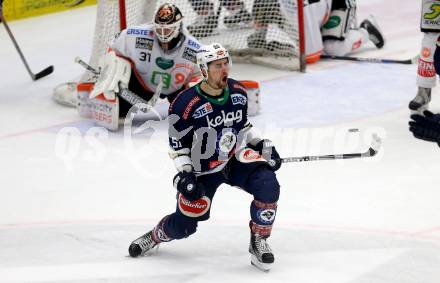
(211, 143)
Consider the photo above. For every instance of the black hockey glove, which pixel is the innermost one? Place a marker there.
(267, 151)
(186, 184)
(426, 127)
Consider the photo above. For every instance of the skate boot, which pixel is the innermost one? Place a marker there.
(261, 254)
(142, 245)
(374, 32)
(420, 102)
(148, 241)
(237, 19)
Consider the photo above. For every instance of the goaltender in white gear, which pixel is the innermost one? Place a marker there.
(141, 57)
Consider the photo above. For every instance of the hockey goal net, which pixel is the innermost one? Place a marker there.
(266, 32)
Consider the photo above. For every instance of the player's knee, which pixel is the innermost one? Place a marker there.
(264, 185)
(180, 226)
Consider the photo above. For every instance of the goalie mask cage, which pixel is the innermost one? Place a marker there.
(265, 32)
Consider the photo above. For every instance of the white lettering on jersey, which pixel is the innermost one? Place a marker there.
(225, 118)
(203, 110)
(238, 98)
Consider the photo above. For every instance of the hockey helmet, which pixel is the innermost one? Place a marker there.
(167, 22)
(210, 53)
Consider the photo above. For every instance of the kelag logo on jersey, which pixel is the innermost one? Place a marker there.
(227, 119)
(189, 54)
(134, 31)
(163, 63)
(238, 98)
(144, 43)
(203, 110)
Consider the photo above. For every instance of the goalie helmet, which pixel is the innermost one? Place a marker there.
(210, 53)
(167, 22)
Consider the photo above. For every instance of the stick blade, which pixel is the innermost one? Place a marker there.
(376, 144)
(43, 73)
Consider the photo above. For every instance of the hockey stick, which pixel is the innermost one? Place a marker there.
(372, 151)
(36, 76)
(127, 94)
(86, 66)
(372, 60)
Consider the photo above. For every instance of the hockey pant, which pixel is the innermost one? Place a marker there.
(256, 179)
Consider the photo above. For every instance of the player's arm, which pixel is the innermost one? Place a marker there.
(180, 135)
(180, 139)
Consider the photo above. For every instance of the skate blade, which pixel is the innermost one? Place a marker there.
(265, 267)
(153, 252)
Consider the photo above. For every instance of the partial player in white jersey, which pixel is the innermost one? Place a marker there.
(330, 27)
(426, 75)
(138, 59)
(208, 18)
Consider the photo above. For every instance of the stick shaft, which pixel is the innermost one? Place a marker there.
(370, 60)
(36, 76)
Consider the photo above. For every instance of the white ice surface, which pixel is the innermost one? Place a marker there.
(71, 204)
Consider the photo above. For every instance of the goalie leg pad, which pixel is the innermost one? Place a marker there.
(337, 25)
(105, 112)
(66, 94)
(354, 40)
(84, 103)
(253, 95)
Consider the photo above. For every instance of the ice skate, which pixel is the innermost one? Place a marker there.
(261, 254)
(142, 245)
(421, 101)
(374, 31)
